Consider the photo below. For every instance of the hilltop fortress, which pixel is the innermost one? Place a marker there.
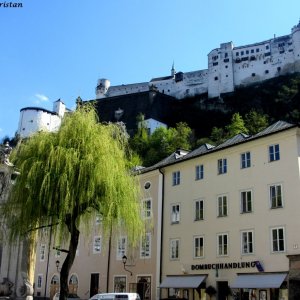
(228, 68)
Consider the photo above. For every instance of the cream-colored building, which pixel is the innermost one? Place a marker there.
(99, 266)
(231, 218)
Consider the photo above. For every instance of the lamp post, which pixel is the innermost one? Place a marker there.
(57, 263)
(124, 260)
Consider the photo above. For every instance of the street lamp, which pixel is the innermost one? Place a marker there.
(57, 265)
(124, 260)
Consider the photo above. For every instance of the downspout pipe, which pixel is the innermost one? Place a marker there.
(162, 225)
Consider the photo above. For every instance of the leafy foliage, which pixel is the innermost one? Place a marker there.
(163, 141)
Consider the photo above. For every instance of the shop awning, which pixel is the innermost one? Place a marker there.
(188, 282)
(252, 281)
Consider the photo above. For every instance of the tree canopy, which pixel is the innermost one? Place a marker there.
(67, 176)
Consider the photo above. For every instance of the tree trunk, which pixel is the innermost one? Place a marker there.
(67, 264)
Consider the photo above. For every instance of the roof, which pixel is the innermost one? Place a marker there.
(161, 78)
(207, 148)
(38, 108)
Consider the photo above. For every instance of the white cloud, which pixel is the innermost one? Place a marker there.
(41, 98)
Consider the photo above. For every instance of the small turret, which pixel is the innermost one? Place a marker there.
(102, 88)
(173, 72)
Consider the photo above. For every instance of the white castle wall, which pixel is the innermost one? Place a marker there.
(228, 67)
(34, 119)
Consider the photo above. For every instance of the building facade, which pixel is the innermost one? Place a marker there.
(228, 67)
(100, 265)
(230, 218)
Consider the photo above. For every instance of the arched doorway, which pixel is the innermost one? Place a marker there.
(54, 285)
(73, 284)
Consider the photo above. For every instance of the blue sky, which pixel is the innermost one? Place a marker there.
(51, 49)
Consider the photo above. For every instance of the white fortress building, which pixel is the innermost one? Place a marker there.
(228, 67)
(33, 119)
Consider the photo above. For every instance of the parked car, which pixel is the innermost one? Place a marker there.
(70, 297)
(116, 296)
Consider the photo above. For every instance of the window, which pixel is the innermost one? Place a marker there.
(98, 219)
(253, 74)
(145, 247)
(274, 153)
(237, 54)
(176, 178)
(175, 213)
(222, 206)
(57, 252)
(199, 210)
(246, 201)
(97, 245)
(276, 196)
(174, 249)
(199, 172)
(121, 247)
(120, 284)
(39, 281)
(222, 166)
(42, 252)
(147, 208)
(247, 242)
(242, 52)
(278, 239)
(245, 160)
(198, 246)
(216, 78)
(222, 244)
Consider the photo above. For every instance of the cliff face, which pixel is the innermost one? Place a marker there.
(279, 98)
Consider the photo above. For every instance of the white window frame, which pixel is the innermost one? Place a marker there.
(147, 209)
(145, 246)
(247, 242)
(42, 252)
(174, 249)
(176, 178)
(222, 166)
(245, 160)
(246, 204)
(222, 204)
(278, 245)
(199, 246)
(97, 244)
(278, 198)
(175, 213)
(199, 210)
(274, 152)
(199, 172)
(39, 281)
(222, 244)
(121, 247)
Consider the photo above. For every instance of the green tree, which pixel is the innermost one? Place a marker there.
(236, 126)
(69, 175)
(164, 141)
(255, 121)
(217, 135)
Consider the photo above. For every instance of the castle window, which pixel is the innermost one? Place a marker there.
(279, 69)
(216, 78)
(252, 50)
(237, 54)
(242, 52)
(267, 71)
(257, 50)
(226, 54)
(267, 47)
(253, 74)
(268, 54)
(215, 63)
(226, 66)
(247, 51)
(226, 60)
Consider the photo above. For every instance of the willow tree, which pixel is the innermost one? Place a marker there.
(68, 175)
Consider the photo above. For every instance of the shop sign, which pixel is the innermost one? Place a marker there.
(230, 265)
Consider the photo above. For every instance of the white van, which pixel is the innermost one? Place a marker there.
(116, 296)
